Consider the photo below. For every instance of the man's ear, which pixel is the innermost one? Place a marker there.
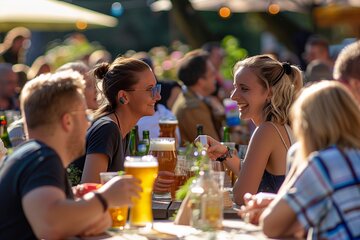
(67, 122)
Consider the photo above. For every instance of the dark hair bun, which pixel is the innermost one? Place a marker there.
(101, 69)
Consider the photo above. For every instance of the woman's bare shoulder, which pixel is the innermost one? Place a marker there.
(267, 129)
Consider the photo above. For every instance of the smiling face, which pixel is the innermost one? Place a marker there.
(141, 101)
(250, 95)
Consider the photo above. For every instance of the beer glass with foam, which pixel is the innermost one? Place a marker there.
(144, 168)
(164, 150)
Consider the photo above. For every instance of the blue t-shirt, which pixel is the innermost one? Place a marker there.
(31, 166)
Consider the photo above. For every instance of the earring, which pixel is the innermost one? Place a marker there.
(122, 100)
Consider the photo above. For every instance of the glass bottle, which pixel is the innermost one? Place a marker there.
(133, 144)
(226, 134)
(144, 144)
(206, 199)
(199, 129)
(137, 140)
(146, 139)
(4, 133)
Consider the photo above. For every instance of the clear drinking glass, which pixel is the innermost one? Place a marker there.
(165, 152)
(229, 176)
(118, 214)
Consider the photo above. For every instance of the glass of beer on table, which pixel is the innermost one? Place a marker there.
(164, 150)
(181, 171)
(118, 214)
(144, 168)
(168, 128)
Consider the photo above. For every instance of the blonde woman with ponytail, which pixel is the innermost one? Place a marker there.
(264, 90)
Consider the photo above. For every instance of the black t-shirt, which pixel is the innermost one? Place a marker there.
(31, 166)
(102, 137)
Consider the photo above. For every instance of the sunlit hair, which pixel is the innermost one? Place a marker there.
(348, 62)
(40, 65)
(284, 90)
(325, 114)
(121, 74)
(47, 97)
(80, 67)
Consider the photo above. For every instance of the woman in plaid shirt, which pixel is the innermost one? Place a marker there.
(321, 194)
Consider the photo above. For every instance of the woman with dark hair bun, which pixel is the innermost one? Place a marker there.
(130, 91)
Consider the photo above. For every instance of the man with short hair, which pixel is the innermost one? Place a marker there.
(8, 83)
(35, 195)
(317, 48)
(347, 68)
(191, 106)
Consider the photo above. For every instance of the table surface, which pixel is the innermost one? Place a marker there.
(165, 209)
(167, 230)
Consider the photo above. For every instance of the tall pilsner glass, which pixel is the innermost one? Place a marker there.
(144, 168)
(164, 150)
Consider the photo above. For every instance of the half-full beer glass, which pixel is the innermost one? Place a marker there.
(144, 168)
(118, 214)
(164, 150)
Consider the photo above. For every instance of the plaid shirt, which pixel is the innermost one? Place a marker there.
(326, 194)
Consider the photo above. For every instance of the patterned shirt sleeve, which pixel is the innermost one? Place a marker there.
(308, 195)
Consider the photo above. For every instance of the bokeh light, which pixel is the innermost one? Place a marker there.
(224, 12)
(274, 8)
(117, 9)
(81, 25)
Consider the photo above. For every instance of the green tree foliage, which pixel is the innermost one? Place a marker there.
(234, 53)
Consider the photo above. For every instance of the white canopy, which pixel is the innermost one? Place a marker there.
(50, 15)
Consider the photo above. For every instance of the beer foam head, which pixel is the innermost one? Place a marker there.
(144, 161)
(168, 121)
(162, 144)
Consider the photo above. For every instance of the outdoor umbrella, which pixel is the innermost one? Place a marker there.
(337, 14)
(234, 5)
(50, 15)
(326, 13)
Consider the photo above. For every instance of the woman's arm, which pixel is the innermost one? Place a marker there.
(279, 220)
(261, 146)
(216, 149)
(94, 164)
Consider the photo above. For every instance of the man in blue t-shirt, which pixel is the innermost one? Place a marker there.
(36, 199)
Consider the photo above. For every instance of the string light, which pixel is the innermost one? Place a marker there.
(81, 25)
(224, 12)
(274, 8)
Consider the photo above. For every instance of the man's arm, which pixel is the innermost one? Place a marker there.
(52, 216)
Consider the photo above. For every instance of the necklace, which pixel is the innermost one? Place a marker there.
(118, 123)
